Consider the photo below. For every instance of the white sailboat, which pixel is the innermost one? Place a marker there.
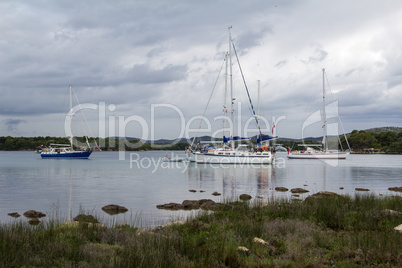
(320, 151)
(67, 150)
(228, 153)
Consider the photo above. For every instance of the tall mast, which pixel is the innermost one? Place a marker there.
(71, 113)
(225, 103)
(231, 89)
(258, 109)
(324, 117)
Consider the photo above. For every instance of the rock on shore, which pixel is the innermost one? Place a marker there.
(206, 204)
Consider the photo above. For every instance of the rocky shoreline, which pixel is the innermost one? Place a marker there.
(204, 204)
(323, 229)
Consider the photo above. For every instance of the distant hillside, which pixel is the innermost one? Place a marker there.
(206, 138)
(378, 130)
(307, 138)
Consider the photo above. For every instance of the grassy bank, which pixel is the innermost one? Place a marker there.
(328, 231)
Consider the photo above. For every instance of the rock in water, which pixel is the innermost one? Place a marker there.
(34, 214)
(299, 191)
(245, 197)
(395, 189)
(34, 221)
(322, 194)
(362, 189)
(281, 189)
(206, 204)
(114, 209)
(14, 214)
(191, 204)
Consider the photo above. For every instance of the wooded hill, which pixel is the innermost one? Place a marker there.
(386, 140)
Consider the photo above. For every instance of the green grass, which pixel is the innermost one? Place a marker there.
(332, 231)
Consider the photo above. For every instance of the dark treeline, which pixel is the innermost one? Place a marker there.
(364, 141)
(111, 144)
(359, 141)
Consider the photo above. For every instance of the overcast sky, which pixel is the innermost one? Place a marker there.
(133, 55)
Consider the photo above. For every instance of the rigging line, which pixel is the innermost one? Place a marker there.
(248, 94)
(59, 113)
(332, 100)
(309, 107)
(205, 110)
(339, 118)
(82, 124)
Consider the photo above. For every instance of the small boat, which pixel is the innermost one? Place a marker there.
(39, 150)
(168, 159)
(311, 153)
(241, 155)
(320, 151)
(173, 159)
(66, 150)
(228, 153)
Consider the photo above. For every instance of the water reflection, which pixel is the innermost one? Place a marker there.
(29, 183)
(312, 175)
(231, 180)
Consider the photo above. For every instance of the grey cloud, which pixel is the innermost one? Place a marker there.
(281, 64)
(12, 124)
(143, 74)
(251, 39)
(319, 55)
(155, 52)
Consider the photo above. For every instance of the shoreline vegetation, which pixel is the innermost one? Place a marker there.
(361, 142)
(325, 229)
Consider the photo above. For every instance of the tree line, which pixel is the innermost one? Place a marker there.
(364, 141)
(359, 141)
(109, 144)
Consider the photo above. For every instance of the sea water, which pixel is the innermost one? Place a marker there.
(139, 181)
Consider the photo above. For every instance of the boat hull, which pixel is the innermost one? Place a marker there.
(338, 155)
(69, 155)
(253, 159)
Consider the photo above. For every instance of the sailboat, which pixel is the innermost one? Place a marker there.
(228, 153)
(66, 150)
(320, 151)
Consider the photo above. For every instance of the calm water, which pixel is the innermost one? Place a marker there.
(57, 186)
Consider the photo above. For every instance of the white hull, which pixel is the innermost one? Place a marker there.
(319, 155)
(232, 158)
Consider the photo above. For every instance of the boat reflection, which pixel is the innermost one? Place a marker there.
(231, 180)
